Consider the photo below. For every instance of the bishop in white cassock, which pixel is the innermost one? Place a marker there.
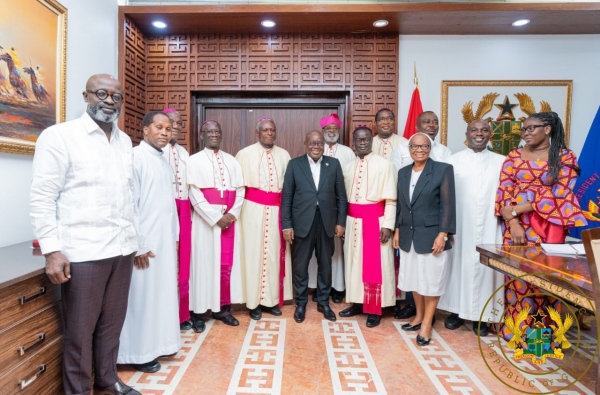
(151, 326)
(471, 284)
(370, 182)
(266, 258)
(178, 158)
(386, 141)
(217, 195)
(331, 126)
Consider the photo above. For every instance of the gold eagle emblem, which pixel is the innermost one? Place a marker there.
(561, 327)
(515, 327)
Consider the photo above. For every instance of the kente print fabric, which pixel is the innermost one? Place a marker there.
(556, 209)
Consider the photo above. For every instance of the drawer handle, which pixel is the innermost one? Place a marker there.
(25, 383)
(22, 349)
(24, 299)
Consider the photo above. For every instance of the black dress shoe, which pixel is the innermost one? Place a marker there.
(453, 322)
(300, 314)
(351, 311)
(328, 314)
(227, 319)
(373, 320)
(482, 331)
(406, 312)
(337, 296)
(411, 328)
(275, 310)
(421, 341)
(185, 325)
(148, 367)
(118, 388)
(199, 325)
(255, 314)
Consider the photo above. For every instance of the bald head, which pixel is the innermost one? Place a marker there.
(104, 97)
(478, 135)
(314, 144)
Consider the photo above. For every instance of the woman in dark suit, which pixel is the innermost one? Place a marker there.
(425, 217)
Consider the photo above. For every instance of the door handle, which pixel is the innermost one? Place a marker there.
(22, 349)
(25, 383)
(23, 299)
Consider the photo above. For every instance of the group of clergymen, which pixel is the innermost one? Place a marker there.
(209, 230)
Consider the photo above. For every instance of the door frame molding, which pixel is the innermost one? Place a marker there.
(203, 100)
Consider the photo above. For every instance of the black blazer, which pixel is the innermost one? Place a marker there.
(300, 196)
(431, 210)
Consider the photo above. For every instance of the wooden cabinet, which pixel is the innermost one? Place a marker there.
(30, 325)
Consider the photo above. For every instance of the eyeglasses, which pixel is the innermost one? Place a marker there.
(530, 128)
(366, 140)
(316, 144)
(424, 147)
(102, 95)
(213, 132)
(385, 119)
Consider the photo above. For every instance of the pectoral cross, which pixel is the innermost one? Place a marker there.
(221, 189)
(176, 183)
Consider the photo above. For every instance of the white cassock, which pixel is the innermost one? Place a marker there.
(470, 284)
(208, 169)
(401, 156)
(386, 147)
(151, 327)
(344, 155)
(370, 180)
(178, 158)
(260, 224)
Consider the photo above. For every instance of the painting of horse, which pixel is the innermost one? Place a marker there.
(32, 72)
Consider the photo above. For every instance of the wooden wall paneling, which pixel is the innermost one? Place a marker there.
(133, 79)
(364, 65)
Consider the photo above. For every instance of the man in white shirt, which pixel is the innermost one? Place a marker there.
(83, 216)
(428, 123)
(151, 326)
(178, 158)
(386, 141)
(471, 284)
(331, 127)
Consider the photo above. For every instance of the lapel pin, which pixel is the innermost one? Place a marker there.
(326, 164)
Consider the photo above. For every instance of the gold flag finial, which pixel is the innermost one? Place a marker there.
(416, 80)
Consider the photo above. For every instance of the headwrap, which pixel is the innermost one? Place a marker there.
(331, 119)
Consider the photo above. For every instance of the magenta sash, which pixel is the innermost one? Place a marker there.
(213, 196)
(185, 248)
(271, 199)
(371, 274)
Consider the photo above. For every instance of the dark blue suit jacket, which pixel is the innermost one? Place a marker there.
(300, 196)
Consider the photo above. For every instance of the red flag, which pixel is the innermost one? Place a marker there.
(416, 108)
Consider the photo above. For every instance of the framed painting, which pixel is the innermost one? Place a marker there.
(33, 56)
(505, 104)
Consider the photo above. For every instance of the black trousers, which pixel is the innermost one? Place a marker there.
(94, 304)
(302, 249)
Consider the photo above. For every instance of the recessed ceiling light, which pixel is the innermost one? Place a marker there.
(159, 24)
(521, 22)
(380, 23)
(267, 23)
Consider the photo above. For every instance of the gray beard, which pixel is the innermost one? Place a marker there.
(331, 141)
(97, 114)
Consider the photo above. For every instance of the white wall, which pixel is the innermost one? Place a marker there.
(91, 49)
(558, 57)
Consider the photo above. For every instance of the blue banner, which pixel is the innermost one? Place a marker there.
(587, 188)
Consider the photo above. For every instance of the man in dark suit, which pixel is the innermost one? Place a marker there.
(313, 211)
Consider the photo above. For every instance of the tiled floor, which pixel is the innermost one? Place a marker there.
(278, 356)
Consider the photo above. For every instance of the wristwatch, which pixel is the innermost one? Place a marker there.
(514, 213)
(445, 238)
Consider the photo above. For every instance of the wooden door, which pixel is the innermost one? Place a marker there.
(239, 125)
(294, 116)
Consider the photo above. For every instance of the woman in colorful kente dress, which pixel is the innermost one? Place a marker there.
(536, 200)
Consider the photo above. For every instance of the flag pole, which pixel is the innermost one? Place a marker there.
(416, 80)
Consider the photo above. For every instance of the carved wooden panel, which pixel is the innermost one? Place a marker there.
(134, 81)
(365, 65)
